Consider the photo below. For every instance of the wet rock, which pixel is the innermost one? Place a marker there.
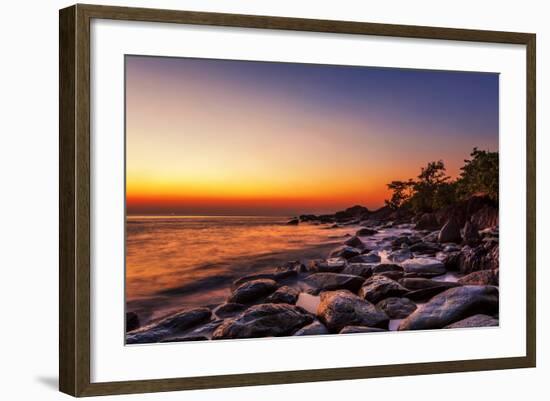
(334, 281)
(339, 309)
(346, 252)
(426, 293)
(377, 288)
(360, 329)
(472, 259)
(332, 265)
(474, 321)
(293, 222)
(205, 329)
(358, 269)
(450, 232)
(185, 319)
(481, 277)
(425, 248)
(277, 276)
(371, 257)
(355, 242)
(400, 255)
(424, 266)
(453, 305)
(229, 309)
(414, 284)
(451, 260)
(470, 234)
(264, 320)
(252, 291)
(183, 338)
(147, 337)
(169, 326)
(132, 321)
(283, 295)
(313, 329)
(365, 232)
(293, 266)
(397, 308)
(386, 267)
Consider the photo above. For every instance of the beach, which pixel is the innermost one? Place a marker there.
(202, 278)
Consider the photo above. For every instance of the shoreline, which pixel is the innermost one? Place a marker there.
(394, 273)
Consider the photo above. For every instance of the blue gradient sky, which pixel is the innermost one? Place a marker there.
(281, 137)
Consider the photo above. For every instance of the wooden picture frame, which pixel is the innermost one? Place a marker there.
(74, 204)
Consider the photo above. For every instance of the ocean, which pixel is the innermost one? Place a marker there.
(176, 262)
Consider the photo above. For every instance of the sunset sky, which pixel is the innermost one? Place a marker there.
(218, 137)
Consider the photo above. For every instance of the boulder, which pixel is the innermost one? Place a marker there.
(277, 276)
(346, 252)
(377, 288)
(132, 321)
(229, 309)
(425, 248)
(332, 265)
(386, 267)
(334, 281)
(400, 255)
(474, 321)
(427, 221)
(283, 295)
(293, 222)
(264, 320)
(470, 234)
(450, 232)
(355, 242)
(252, 291)
(358, 269)
(425, 294)
(397, 308)
(365, 232)
(292, 267)
(472, 259)
(485, 217)
(424, 266)
(339, 309)
(313, 329)
(169, 326)
(371, 257)
(414, 284)
(481, 277)
(360, 329)
(453, 305)
(185, 319)
(184, 338)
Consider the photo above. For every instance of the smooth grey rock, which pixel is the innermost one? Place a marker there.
(313, 329)
(342, 308)
(264, 320)
(453, 305)
(360, 329)
(334, 281)
(283, 295)
(252, 291)
(397, 308)
(424, 265)
(376, 288)
(474, 321)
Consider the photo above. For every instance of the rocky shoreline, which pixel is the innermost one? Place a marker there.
(398, 272)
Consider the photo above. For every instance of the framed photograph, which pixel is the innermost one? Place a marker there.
(250, 200)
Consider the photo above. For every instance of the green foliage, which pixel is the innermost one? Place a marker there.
(479, 175)
(434, 189)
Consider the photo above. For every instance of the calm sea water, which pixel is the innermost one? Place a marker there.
(177, 262)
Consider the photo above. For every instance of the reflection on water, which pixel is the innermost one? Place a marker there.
(178, 261)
